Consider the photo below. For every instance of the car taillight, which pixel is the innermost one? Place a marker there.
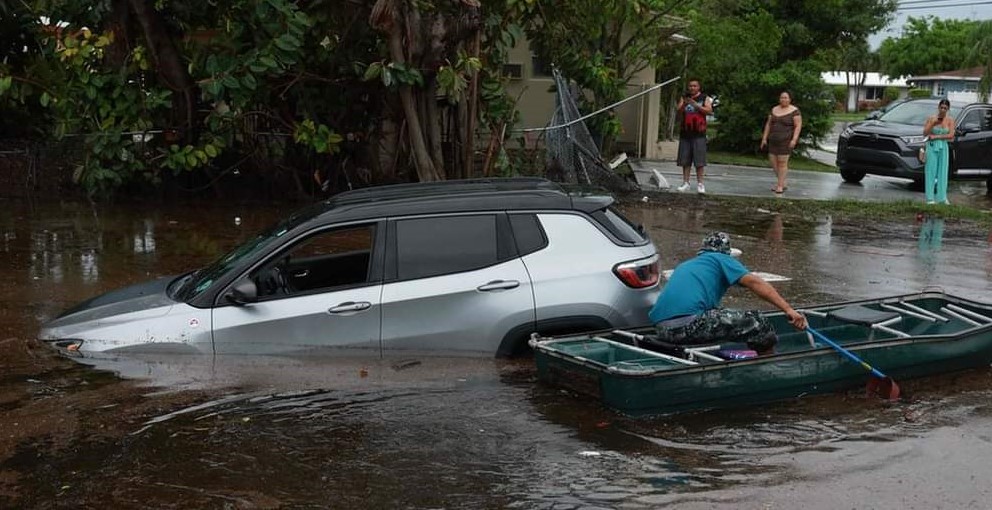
(638, 274)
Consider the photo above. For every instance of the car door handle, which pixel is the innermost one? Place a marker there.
(301, 274)
(350, 306)
(498, 285)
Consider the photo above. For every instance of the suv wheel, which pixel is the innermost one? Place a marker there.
(850, 175)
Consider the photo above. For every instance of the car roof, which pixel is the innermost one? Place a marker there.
(935, 100)
(504, 194)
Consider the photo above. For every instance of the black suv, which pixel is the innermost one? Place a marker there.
(889, 144)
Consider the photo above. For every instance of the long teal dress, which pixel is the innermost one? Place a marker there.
(935, 170)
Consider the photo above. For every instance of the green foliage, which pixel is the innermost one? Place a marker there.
(981, 54)
(840, 94)
(920, 93)
(602, 45)
(928, 45)
(890, 94)
(776, 46)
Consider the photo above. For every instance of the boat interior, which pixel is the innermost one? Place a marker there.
(848, 324)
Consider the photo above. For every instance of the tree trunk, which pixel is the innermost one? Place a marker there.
(468, 147)
(169, 63)
(119, 24)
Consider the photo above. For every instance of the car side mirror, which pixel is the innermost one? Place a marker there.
(872, 115)
(968, 128)
(243, 293)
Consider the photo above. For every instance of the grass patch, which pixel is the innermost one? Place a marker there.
(844, 209)
(796, 162)
(847, 116)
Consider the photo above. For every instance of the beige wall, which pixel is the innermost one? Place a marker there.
(639, 117)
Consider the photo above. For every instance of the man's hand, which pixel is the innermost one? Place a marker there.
(797, 320)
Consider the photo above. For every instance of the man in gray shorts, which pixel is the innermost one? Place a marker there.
(693, 108)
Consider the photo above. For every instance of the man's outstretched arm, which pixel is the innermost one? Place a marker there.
(765, 291)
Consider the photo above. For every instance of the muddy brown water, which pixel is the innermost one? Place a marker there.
(283, 432)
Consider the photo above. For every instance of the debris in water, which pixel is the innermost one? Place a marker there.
(590, 454)
(405, 364)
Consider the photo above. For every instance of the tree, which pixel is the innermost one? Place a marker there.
(927, 45)
(981, 53)
(778, 45)
(601, 45)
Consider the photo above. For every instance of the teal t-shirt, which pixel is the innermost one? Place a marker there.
(697, 285)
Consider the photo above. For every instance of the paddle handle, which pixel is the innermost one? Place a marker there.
(850, 355)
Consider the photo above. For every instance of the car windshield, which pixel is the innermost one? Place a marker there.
(196, 282)
(915, 113)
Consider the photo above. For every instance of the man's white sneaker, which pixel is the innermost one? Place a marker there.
(700, 189)
(684, 187)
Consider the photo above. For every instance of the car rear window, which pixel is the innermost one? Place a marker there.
(619, 226)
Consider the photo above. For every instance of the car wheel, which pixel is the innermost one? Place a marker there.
(851, 175)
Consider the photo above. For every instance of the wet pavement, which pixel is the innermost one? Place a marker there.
(733, 180)
(285, 432)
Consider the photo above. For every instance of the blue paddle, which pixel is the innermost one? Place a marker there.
(880, 384)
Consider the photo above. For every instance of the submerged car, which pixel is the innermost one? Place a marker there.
(889, 144)
(470, 267)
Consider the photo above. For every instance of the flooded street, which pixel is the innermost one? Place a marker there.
(321, 432)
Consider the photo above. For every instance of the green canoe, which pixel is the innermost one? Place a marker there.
(904, 336)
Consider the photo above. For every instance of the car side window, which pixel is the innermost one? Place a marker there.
(444, 245)
(972, 120)
(325, 260)
(986, 119)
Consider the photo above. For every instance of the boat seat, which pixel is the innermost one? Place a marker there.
(857, 314)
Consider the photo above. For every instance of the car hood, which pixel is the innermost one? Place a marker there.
(887, 128)
(149, 295)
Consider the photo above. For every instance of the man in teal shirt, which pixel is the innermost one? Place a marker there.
(688, 310)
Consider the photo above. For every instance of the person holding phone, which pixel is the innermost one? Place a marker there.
(939, 129)
(693, 108)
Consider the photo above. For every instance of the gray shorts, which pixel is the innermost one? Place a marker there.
(692, 151)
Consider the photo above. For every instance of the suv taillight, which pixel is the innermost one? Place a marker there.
(639, 274)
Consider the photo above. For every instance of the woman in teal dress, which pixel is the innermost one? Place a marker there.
(938, 130)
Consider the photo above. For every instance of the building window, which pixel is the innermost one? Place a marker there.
(874, 93)
(940, 89)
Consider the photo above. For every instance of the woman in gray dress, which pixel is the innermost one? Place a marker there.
(781, 135)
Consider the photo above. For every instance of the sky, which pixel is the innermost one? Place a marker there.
(948, 9)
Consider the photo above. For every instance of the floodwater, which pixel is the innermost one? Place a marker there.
(284, 432)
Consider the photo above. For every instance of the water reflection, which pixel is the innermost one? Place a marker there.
(931, 238)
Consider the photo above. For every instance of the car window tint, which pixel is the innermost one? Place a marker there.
(619, 226)
(528, 233)
(434, 246)
(322, 261)
(971, 119)
(987, 119)
(915, 112)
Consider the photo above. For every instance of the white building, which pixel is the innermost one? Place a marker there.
(872, 89)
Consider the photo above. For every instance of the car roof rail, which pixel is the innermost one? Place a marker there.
(419, 189)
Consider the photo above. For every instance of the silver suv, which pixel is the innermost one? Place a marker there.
(470, 267)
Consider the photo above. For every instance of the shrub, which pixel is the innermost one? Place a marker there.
(840, 94)
(917, 93)
(890, 94)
